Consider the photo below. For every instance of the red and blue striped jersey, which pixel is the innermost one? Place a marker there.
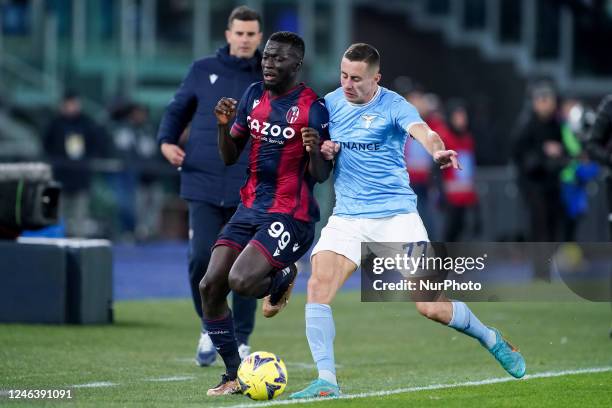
(278, 178)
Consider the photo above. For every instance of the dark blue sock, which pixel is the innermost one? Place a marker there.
(280, 283)
(221, 332)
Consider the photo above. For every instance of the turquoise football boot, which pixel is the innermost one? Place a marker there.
(319, 388)
(508, 356)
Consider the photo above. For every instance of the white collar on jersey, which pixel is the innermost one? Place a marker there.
(361, 105)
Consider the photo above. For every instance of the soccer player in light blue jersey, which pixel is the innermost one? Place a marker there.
(374, 202)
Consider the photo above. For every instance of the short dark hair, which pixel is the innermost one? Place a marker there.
(363, 52)
(244, 13)
(542, 88)
(294, 40)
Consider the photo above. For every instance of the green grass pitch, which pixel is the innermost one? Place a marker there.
(146, 357)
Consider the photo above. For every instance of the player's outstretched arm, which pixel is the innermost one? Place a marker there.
(318, 166)
(432, 142)
(229, 147)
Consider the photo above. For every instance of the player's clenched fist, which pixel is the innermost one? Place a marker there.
(225, 110)
(310, 139)
(329, 149)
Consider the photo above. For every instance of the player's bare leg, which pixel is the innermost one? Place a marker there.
(214, 286)
(250, 275)
(218, 321)
(329, 272)
(440, 311)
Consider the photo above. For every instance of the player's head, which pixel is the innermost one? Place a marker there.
(543, 99)
(416, 96)
(360, 72)
(282, 59)
(457, 115)
(71, 104)
(243, 32)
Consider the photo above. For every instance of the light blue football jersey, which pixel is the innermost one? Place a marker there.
(371, 180)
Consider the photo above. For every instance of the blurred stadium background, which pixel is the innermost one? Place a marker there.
(125, 58)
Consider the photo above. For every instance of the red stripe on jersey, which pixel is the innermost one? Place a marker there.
(289, 189)
(247, 193)
(239, 131)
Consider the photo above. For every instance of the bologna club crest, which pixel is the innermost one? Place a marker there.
(292, 115)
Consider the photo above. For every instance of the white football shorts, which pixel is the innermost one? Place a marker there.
(345, 235)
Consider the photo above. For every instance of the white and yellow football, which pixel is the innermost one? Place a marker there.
(262, 376)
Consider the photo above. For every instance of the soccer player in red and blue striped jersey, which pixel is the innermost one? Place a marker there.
(274, 225)
(278, 178)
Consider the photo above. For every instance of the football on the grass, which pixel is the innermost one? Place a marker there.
(262, 376)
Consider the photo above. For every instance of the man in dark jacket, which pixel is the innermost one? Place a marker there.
(70, 140)
(211, 188)
(539, 155)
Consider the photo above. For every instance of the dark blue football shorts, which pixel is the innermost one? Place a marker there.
(279, 237)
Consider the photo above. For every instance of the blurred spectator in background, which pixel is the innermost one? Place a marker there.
(579, 171)
(210, 188)
(434, 111)
(539, 156)
(459, 188)
(135, 144)
(599, 146)
(71, 139)
(419, 165)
